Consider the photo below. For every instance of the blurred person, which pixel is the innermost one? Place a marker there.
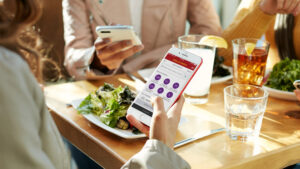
(277, 19)
(29, 136)
(157, 23)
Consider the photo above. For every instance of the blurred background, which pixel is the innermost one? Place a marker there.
(50, 28)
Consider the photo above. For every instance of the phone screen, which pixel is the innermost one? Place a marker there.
(168, 80)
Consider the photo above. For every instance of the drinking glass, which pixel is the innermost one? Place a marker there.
(249, 60)
(244, 108)
(198, 89)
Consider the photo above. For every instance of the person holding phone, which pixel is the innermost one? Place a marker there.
(157, 23)
(158, 150)
(29, 136)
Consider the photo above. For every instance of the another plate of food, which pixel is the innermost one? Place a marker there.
(107, 108)
(281, 78)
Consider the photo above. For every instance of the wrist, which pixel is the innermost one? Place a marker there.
(96, 64)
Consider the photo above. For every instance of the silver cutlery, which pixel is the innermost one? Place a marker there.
(136, 79)
(297, 84)
(197, 136)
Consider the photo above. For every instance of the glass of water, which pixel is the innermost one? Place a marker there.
(245, 106)
(198, 89)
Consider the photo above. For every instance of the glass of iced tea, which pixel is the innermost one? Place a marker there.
(249, 60)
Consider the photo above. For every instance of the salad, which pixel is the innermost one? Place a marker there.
(109, 104)
(284, 74)
(218, 69)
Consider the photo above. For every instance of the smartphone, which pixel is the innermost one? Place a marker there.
(168, 81)
(118, 33)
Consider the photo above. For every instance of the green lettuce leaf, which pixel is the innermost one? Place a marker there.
(109, 103)
(91, 104)
(284, 74)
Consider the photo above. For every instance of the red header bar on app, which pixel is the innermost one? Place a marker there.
(181, 61)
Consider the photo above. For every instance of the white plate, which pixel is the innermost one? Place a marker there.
(281, 94)
(216, 80)
(146, 74)
(127, 134)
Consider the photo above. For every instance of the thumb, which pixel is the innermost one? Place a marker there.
(158, 105)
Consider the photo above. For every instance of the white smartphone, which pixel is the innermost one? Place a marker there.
(168, 81)
(118, 33)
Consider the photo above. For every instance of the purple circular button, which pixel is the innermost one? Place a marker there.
(151, 86)
(160, 90)
(175, 85)
(166, 81)
(157, 77)
(169, 94)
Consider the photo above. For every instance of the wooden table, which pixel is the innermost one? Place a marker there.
(278, 145)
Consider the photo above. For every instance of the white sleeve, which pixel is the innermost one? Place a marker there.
(20, 120)
(79, 41)
(156, 155)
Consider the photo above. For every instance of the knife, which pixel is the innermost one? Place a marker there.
(136, 78)
(197, 136)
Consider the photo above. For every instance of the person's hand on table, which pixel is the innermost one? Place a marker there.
(297, 93)
(111, 54)
(280, 6)
(297, 90)
(163, 124)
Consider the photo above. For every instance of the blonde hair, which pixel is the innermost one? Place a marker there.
(15, 17)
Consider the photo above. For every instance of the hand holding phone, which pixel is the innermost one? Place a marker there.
(116, 43)
(168, 82)
(164, 124)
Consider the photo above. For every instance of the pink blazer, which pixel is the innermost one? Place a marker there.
(163, 21)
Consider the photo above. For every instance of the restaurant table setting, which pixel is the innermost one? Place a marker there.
(235, 125)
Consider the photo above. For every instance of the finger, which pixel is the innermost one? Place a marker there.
(101, 43)
(113, 48)
(175, 111)
(297, 9)
(292, 6)
(287, 4)
(125, 54)
(133, 121)
(280, 4)
(116, 60)
(114, 65)
(158, 105)
(113, 24)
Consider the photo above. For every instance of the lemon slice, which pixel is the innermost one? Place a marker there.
(249, 47)
(212, 40)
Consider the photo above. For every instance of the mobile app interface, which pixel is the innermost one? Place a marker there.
(167, 81)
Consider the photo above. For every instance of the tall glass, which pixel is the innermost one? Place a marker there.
(244, 106)
(249, 60)
(198, 89)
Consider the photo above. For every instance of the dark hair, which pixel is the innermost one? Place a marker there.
(15, 17)
(284, 26)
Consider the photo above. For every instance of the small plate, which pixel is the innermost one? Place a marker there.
(127, 134)
(279, 94)
(146, 74)
(216, 79)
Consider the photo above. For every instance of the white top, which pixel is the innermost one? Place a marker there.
(136, 8)
(29, 137)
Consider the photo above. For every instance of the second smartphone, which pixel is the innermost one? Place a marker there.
(168, 81)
